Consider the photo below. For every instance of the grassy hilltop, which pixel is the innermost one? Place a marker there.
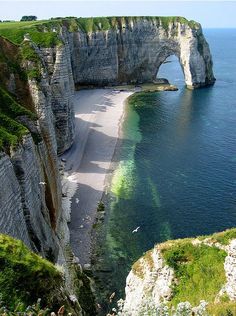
(44, 32)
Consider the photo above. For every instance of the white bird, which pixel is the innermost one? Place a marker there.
(42, 183)
(76, 200)
(136, 230)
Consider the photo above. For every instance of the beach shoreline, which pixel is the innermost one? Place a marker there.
(99, 114)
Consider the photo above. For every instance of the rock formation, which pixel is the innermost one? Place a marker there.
(152, 284)
(133, 51)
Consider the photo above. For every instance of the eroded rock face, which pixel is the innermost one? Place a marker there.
(31, 200)
(58, 73)
(230, 271)
(12, 220)
(134, 51)
(149, 282)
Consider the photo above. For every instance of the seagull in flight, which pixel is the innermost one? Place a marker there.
(136, 230)
(42, 183)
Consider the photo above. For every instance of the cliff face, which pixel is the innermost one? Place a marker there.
(35, 186)
(133, 51)
(187, 274)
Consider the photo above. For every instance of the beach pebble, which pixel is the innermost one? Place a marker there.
(76, 260)
(81, 226)
(87, 266)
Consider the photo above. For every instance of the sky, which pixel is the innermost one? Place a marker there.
(210, 14)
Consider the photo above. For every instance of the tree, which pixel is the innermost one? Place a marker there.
(29, 18)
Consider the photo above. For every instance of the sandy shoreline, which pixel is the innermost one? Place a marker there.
(98, 115)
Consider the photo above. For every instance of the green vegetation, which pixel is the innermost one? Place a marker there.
(199, 270)
(100, 207)
(11, 131)
(28, 54)
(40, 32)
(222, 309)
(43, 32)
(224, 237)
(106, 23)
(32, 310)
(25, 277)
(85, 294)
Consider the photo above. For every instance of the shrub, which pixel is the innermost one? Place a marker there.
(29, 18)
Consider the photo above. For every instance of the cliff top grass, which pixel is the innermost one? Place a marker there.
(198, 268)
(11, 131)
(41, 32)
(25, 276)
(44, 32)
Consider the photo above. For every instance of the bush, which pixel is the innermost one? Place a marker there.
(101, 207)
(29, 18)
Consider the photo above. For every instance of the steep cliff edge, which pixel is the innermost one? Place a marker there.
(36, 92)
(131, 50)
(191, 275)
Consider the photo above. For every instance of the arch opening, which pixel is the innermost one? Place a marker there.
(171, 70)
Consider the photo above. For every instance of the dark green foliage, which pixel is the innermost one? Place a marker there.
(11, 108)
(24, 276)
(11, 131)
(101, 207)
(7, 139)
(85, 294)
(28, 53)
(29, 18)
(19, 310)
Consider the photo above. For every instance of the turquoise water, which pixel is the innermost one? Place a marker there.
(176, 167)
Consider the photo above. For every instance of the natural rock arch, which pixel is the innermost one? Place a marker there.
(167, 71)
(134, 50)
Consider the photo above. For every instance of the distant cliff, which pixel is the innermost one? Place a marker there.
(131, 50)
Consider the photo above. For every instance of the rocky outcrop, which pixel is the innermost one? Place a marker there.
(60, 79)
(149, 282)
(12, 220)
(230, 271)
(152, 284)
(133, 51)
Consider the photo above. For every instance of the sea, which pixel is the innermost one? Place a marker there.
(175, 166)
